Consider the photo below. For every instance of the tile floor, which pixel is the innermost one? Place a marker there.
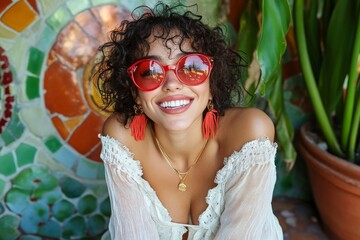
(298, 219)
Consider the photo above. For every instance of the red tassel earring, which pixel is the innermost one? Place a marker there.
(138, 123)
(211, 121)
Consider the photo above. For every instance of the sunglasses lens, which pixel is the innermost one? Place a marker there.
(148, 74)
(193, 69)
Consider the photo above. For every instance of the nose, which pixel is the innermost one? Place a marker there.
(171, 82)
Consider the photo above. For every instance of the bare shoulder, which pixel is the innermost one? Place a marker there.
(242, 125)
(114, 128)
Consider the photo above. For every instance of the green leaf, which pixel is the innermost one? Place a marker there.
(284, 128)
(272, 44)
(337, 54)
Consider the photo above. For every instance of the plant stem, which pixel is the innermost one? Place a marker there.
(351, 120)
(310, 82)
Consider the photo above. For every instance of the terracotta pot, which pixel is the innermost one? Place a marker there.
(335, 184)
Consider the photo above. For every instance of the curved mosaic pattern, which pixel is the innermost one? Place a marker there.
(64, 54)
(70, 99)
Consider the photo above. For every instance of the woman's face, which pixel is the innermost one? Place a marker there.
(174, 105)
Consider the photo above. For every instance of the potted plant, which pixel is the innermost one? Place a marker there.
(328, 41)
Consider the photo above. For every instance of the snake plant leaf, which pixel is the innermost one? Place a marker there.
(312, 29)
(272, 43)
(351, 117)
(338, 45)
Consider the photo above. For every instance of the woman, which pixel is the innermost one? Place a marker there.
(181, 161)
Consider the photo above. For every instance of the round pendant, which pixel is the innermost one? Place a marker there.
(182, 187)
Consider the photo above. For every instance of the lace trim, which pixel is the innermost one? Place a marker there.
(258, 151)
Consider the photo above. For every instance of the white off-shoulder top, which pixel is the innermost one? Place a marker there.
(239, 207)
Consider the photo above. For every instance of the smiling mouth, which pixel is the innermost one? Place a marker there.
(175, 104)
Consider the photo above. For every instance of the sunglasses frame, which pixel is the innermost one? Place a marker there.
(166, 68)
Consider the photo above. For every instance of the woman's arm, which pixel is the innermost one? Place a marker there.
(248, 211)
(130, 218)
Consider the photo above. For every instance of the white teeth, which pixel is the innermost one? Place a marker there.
(174, 104)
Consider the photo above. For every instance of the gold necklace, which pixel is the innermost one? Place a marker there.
(182, 175)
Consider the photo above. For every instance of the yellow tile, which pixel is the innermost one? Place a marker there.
(72, 123)
(6, 32)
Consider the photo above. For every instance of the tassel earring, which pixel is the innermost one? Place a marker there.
(211, 121)
(138, 123)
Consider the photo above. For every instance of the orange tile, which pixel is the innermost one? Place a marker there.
(12, 17)
(60, 127)
(62, 91)
(85, 137)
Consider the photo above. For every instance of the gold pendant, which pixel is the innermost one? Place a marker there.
(182, 187)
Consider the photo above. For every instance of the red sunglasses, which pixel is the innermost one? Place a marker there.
(191, 69)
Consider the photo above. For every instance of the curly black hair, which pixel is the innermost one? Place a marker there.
(129, 43)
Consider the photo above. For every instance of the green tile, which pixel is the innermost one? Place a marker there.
(25, 154)
(30, 237)
(36, 58)
(8, 166)
(7, 136)
(46, 39)
(53, 143)
(15, 127)
(78, 6)
(9, 227)
(2, 188)
(96, 224)
(87, 204)
(2, 208)
(32, 87)
(59, 19)
(102, 2)
(63, 209)
(71, 187)
(74, 228)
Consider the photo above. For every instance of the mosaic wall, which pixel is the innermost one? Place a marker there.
(51, 178)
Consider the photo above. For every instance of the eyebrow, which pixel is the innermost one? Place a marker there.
(159, 58)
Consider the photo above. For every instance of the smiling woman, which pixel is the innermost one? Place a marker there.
(173, 169)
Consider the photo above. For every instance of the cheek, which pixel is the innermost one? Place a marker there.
(204, 89)
(143, 97)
